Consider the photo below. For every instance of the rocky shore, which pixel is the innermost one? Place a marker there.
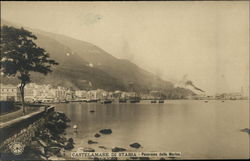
(49, 142)
(127, 151)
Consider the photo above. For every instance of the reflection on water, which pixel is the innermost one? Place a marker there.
(195, 128)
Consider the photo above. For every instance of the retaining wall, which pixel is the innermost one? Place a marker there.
(23, 128)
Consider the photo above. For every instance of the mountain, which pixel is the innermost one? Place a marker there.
(83, 65)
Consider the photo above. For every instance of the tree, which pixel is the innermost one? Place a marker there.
(20, 56)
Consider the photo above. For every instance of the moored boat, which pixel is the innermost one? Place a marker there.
(134, 101)
(153, 101)
(122, 100)
(161, 101)
(106, 101)
(92, 100)
(64, 101)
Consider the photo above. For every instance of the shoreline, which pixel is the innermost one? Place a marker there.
(48, 140)
(51, 140)
(149, 101)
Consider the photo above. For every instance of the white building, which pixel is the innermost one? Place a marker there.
(9, 93)
(82, 94)
(97, 94)
(60, 93)
(34, 92)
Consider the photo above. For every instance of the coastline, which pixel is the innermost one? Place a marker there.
(52, 142)
(48, 141)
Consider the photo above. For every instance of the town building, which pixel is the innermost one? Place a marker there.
(9, 93)
(81, 94)
(70, 95)
(98, 94)
(231, 96)
(34, 92)
(60, 93)
(156, 95)
(117, 94)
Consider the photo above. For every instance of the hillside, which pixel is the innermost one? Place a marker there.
(82, 62)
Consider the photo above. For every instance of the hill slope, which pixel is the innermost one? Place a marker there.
(82, 63)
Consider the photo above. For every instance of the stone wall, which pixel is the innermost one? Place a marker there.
(23, 129)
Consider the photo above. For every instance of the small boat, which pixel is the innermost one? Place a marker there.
(161, 101)
(134, 101)
(64, 101)
(153, 101)
(206, 101)
(106, 101)
(92, 100)
(122, 100)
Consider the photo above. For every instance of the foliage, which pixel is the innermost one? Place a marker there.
(20, 55)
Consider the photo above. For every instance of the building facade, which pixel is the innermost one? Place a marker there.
(9, 93)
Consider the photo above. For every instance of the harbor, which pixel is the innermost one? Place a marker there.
(169, 127)
(124, 80)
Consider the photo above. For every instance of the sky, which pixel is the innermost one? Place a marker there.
(206, 42)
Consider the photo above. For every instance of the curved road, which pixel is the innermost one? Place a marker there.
(13, 115)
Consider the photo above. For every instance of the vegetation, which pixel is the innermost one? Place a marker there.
(107, 72)
(20, 56)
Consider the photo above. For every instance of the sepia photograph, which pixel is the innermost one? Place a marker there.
(124, 80)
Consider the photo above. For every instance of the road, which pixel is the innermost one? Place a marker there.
(16, 114)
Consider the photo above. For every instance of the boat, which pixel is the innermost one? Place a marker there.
(92, 100)
(153, 101)
(122, 100)
(134, 101)
(161, 101)
(106, 101)
(206, 101)
(83, 100)
(64, 101)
